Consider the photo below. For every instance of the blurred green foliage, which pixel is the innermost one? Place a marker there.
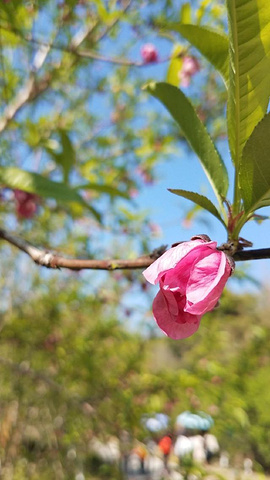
(72, 371)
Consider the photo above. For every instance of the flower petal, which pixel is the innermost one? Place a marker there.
(206, 283)
(177, 278)
(178, 326)
(170, 258)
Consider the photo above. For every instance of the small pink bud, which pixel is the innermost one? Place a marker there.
(187, 223)
(149, 53)
(190, 66)
(26, 203)
(21, 196)
(26, 209)
(155, 229)
(184, 80)
(133, 192)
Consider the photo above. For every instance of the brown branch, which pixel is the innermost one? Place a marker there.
(47, 259)
(259, 254)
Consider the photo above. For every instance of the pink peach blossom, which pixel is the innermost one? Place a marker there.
(190, 66)
(191, 277)
(149, 53)
(26, 203)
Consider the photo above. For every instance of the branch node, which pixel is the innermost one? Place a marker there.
(158, 252)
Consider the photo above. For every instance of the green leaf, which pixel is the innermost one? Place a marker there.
(67, 157)
(185, 13)
(14, 177)
(212, 44)
(175, 66)
(249, 32)
(196, 134)
(254, 169)
(200, 200)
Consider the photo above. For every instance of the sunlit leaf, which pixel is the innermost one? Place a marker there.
(254, 169)
(175, 66)
(249, 31)
(13, 177)
(196, 134)
(200, 200)
(185, 13)
(66, 158)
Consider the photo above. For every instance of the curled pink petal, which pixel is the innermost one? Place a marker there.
(169, 260)
(177, 278)
(178, 326)
(206, 283)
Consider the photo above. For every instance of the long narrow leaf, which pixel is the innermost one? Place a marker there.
(249, 33)
(196, 134)
(14, 177)
(200, 200)
(254, 170)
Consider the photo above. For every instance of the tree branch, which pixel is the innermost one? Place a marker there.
(91, 54)
(33, 87)
(47, 259)
(26, 92)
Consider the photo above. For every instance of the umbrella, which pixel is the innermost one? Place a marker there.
(195, 421)
(156, 423)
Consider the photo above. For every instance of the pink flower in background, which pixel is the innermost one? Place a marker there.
(191, 277)
(190, 66)
(149, 53)
(26, 203)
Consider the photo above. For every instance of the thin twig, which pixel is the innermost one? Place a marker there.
(119, 61)
(90, 53)
(47, 259)
(33, 87)
(113, 23)
(27, 91)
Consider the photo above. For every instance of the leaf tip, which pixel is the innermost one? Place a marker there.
(150, 86)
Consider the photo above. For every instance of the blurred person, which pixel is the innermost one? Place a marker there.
(140, 451)
(198, 448)
(248, 466)
(224, 460)
(211, 446)
(165, 446)
(183, 446)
